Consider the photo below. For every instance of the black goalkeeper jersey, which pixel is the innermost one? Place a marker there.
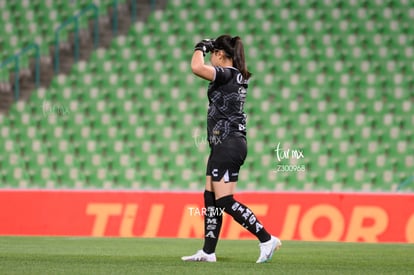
(226, 96)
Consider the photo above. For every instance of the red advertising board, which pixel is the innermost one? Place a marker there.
(350, 217)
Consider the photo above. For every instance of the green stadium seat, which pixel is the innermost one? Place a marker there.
(331, 77)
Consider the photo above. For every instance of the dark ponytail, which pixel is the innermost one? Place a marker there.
(239, 61)
(233, 48)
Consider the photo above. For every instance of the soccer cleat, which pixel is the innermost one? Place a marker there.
(200, 256)
(268, 248)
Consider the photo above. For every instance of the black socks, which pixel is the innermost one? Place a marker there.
(214, 218)
(212, 222)
(244, 216)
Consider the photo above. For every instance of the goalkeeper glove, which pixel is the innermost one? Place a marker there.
(205, 45)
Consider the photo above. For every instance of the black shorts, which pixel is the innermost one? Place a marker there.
(226, 158)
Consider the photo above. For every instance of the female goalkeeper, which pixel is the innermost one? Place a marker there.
(226, 130)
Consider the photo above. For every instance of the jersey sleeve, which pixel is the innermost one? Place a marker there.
(222, 75)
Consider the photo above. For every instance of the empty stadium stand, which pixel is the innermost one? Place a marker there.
(332, 88)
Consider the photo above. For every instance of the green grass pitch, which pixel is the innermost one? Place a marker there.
(58, 255)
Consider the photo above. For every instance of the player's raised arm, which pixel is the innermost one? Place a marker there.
(198, 65)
